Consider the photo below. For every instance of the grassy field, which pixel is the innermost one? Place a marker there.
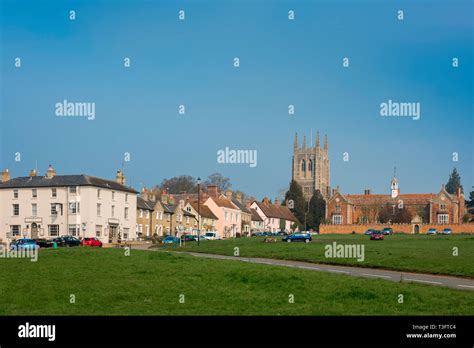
(105, 282)
(417, 253)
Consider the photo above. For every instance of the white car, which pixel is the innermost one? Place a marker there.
(211, 236)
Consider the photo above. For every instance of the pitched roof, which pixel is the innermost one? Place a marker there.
(204, 210)
(224, 202)
(409, 198)
(241, 206)
(276, 211)
(64, 180)
(255, 216)
(142, 204)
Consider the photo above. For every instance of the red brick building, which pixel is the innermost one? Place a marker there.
(435, 208)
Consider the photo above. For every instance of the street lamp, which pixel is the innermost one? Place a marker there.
(199, 213)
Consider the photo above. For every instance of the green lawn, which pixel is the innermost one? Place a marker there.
(105, 282)
(417, 253)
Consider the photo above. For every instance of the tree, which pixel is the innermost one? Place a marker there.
(391, 214)
(179, 184)
(470, 202)
(454, 182)
(296, 202)
(386, 214)
(317, 210)
(219, 180)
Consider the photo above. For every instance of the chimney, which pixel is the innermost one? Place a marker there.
(171, 199)
(50, 173)
(120, 178)
(265, 200)
(277, 201)
(247, 203)
(212, 191)
(33, 172)
(164, 197)
(144, 193)
(5, 175)
(228, 194)
(333, 192)
(238, 195)
(367, 192)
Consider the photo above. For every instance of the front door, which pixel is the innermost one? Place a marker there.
(34, 230)
(112, 234)
(417, 229)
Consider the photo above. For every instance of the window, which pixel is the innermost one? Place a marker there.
(34, 209)
(126, 213)
(54, 193)
(147, 214)
(303, 166)
(126, 232)
(113, 211)
(140, 228)
(72, 189)
(126, 197)
(338, 208)
(98, 193)
(225, 216)
(168, 217)
(337, 219)
(99, 209)
(74, 230)
(54, 211)
(141, 213)
(364, 220)
(15, 230)
(442, 206)
(113, 195)
(34, 193)
(147, 229)
(159, 215)
(443, 218)
(74, 208)
(15, 194)
(16, 209)
(98, 230)
(53, 230)
(187, 219)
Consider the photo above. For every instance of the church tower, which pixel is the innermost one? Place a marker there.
(311, 167)
(394, 185)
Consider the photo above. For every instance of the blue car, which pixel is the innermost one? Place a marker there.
(24, 243)
(432, 231)
(447, 231)
(297, 237)
(170, 239)
(369, 232)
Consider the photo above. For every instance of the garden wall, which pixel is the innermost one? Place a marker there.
(397, 228)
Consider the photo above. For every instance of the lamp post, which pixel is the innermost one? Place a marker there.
(199, 212)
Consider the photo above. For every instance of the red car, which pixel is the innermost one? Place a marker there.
(93, 242)
(376, 235)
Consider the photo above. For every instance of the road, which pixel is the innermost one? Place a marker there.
(373, 273)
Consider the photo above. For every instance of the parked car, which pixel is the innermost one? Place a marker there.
(387, 231)
(67, 241)
(93, 242)
(44, 243)
(23, 244)
(369, 232)
(376, 235)
(297, 237)
(447, 231)
(170, 240)
(211, 236)
(432, 231)
(282, 233)
(188, 238)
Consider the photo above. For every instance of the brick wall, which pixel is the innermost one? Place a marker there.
(397, 228)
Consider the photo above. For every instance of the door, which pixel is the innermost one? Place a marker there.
(34, 230)
(417, 229)
(112, 234)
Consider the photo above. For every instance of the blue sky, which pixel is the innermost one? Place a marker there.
(282, 62)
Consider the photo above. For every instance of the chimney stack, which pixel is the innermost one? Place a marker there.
(228, 194)
(33, 172)
(5, 175)
(367, 192)
(247, 203)
(120, 178)
(265, 200)
(238, 195)
(277, 201)
(50, 173)
(212, 191)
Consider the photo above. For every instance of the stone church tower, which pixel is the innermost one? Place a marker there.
(311, 167)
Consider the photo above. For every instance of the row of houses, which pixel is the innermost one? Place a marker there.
(51, 205)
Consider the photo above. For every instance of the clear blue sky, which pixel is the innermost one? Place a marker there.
(282, 62)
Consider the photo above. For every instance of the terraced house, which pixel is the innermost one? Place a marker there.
(275, 217)
(53, 205)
